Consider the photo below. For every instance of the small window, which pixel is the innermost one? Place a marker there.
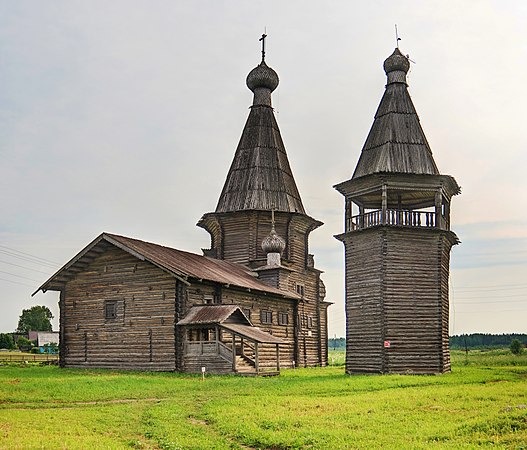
(208, 299)
(266, 316)
(300, 289)
(283, 318)
(247, 313)
(110, 310)
(310, 322)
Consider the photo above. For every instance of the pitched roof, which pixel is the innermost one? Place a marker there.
(260, 177)
(178, 263)
(208, 314)
(396, 142)
(220, 314)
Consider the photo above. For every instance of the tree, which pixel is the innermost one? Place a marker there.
(516, 347)
(36, 318)
(24, 344)
(6, 341)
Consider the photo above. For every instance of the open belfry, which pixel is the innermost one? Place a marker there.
(397, 243)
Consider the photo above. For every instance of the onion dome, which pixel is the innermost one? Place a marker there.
(273, 243)
(262, 76)
(396, 67)
(396, 61)
(262, 80)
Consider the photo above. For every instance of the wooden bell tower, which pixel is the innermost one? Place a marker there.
(397, 243)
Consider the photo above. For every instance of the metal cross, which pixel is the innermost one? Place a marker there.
(263, 45)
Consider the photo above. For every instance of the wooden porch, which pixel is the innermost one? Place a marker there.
(226, 350)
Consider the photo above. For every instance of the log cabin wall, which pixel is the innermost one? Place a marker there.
(416, 300)
(364, 318)
(237, 236)
(397, 292)
(242, 233)
(139, 333)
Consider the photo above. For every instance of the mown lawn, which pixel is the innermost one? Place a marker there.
(482, 403)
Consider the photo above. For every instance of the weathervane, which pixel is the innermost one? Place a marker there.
(397, 38)
(263, 45)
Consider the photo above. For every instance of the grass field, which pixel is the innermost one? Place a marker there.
(482, 403)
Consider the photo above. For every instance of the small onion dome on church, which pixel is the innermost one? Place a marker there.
(396, 62)
(273, 243)
(262, 76)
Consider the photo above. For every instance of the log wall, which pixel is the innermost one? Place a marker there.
(241, 234)
(397, 292)
(140, 337)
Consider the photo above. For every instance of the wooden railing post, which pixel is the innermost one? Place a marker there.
(256, 361)
(233, 352)
(438, 208)
(384, 206)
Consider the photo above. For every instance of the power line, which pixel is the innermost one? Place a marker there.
(492, 296)
(18, 276)
(16, 282)
(494, 311)
(490, 286)
(493, 301)
(47, 261)
(24, 267)
(28, 259)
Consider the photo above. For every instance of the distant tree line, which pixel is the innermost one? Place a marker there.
(483, 340)
(457, 342)
(337, 343)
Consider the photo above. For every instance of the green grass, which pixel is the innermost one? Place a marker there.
(480, 404)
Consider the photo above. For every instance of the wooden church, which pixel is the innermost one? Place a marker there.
(397, 243)
(254, 302)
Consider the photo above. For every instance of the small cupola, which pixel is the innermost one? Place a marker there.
(273, 246)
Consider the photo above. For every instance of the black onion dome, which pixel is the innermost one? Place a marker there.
(262, 76)
(396, 61)
(273, 243)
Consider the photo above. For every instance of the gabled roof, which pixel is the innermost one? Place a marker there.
(230, 317)
(180, 264)
(212, 314)
(396, 142)
(260, 177)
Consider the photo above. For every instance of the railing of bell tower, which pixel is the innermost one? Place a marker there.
(396, 217)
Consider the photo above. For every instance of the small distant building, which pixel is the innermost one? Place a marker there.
(397, 242)
(47, 338)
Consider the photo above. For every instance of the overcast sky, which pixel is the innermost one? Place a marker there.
(124, 116)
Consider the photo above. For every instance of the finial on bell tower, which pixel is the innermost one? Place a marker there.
(263, 45)
(397, 38)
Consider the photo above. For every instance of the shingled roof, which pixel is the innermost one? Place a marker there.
(396, 142)
(182, 265)
(260, 177)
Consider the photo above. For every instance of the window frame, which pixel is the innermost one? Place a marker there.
(110, 310)
(266, 317)
(283, 318)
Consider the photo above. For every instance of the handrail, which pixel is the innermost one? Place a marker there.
(393, 217)
(224, 351)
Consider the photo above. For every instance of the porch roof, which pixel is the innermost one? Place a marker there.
(253, 333)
